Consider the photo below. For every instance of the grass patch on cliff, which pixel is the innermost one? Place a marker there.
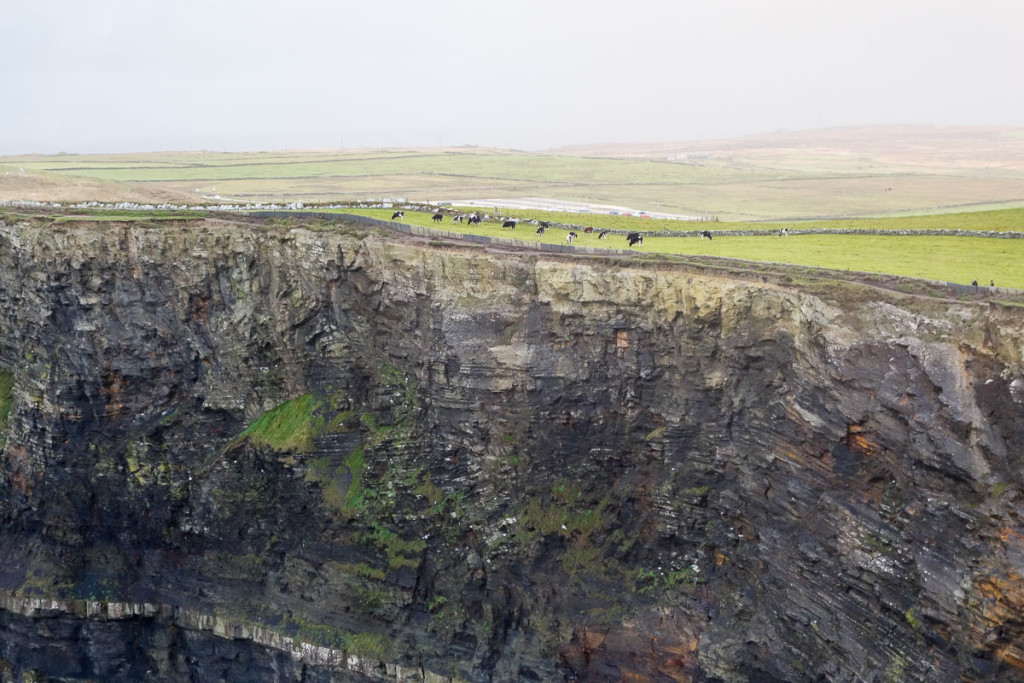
(363, 571)
(291, 426)
(355, 462)
(397, 549)
(6, 390)
(348, 499)
(657, 580)
(560, 512)
(288, 427)
(373, 646)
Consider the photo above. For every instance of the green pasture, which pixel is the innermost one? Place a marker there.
(1004, 220)
(948, 259)
(518, 167)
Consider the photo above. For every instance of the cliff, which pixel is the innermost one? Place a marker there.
(255, 451)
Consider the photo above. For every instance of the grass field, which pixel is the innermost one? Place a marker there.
(948, 259)
(1002, 220)
(521, 167)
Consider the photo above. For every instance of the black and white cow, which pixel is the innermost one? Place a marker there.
(705, 234)
(570, 237)
(398, 215)
(634, 238)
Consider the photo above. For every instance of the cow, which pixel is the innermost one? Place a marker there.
(457, 218)
(634, 238)
(473, 220)
(589, 229)
(601, 234)
(398, 215)
(783, 233)
(545, 225)
(705, 234)
(437, 217)
(509, 224)
(541, 229)
(570, 237)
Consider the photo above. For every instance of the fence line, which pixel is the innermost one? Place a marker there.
(974, 289)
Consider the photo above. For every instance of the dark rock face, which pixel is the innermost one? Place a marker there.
(67, 648)
(252, 453)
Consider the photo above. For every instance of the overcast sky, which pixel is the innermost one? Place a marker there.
(146, 75)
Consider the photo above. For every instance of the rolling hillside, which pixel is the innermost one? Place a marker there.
(816, 174)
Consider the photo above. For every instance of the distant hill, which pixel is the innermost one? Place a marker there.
(996, 149)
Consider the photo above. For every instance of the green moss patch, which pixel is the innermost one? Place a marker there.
(6, 389)
(355, 462)
(400, 552)
(348, 498)
(291, 426)
(288, 427)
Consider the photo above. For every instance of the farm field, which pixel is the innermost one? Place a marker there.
(949, 259)
(1000, 220)
(819, 174)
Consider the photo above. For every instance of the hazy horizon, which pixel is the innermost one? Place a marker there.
(119, 76)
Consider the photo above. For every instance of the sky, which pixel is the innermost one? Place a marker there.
(237, 75)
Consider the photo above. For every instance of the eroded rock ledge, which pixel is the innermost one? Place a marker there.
(308, 661)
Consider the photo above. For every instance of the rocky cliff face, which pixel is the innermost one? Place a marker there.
(257, 452)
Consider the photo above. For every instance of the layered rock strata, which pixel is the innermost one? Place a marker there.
(243, 451)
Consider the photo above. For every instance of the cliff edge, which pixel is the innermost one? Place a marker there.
(241, 450)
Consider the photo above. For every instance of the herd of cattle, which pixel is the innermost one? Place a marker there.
(632, 238)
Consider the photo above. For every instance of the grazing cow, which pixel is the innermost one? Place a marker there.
(473, 220)
(545, 225)
(398, 215)
(705, 234)
(570, 237)
(437, 217)
(541, 229)
(589, 229)
(783, 233)
(601, 234)
(634, 238)
(509, 224)
(457, 219)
